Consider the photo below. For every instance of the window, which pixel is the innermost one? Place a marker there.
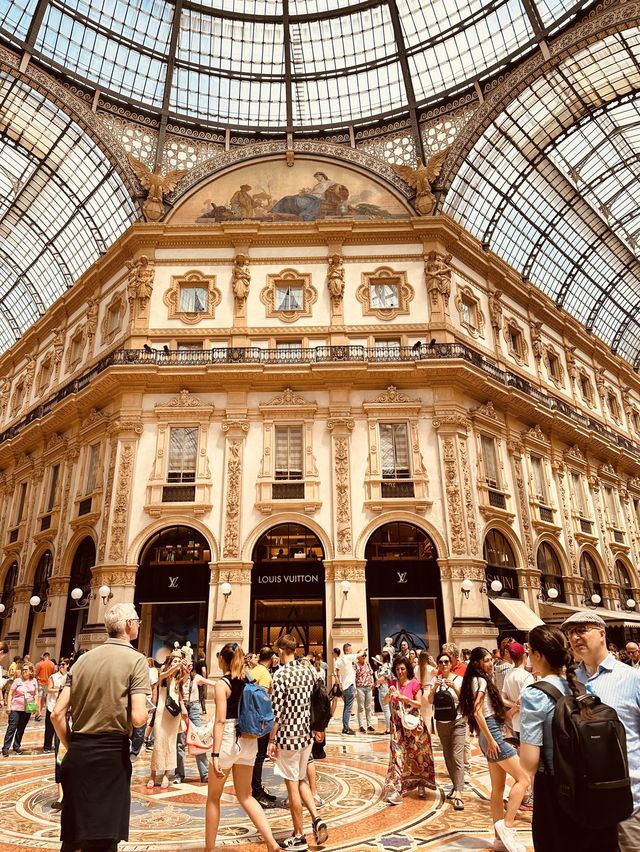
(612, 508)
(614, 408)
(586, 388)
(578, 494)
(288, 457)
(76, 347)
(289, 297)
(471, 317)
(384, 295)
(501, 564)
(191, 346)
(289, 350)
(92, 468)
(394, 451)
(490, 461)
(539, 480)
(18, 396)
(183, 452)
(635, 419)
(550, 571)
(623, 580)
(114, 318)
(22, 499)
(515, 341)
(194, 299)
(468, 312)
(45, 374)
(387, 348)
(554, 366)
(53, 488)
(590, 577)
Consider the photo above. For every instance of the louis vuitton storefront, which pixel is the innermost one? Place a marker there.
(172, 590)
(404, 596)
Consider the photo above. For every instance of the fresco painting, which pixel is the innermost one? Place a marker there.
(273, 192)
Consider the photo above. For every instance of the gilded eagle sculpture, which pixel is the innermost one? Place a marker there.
(421, 179)
(157, 186)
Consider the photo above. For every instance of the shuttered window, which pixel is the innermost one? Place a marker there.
(53, 488)
(490, 460)
(183, 452)
(92, 468)
(394, 451)
(288, 452)
(578, 494)
(612, 507)
(539, 482)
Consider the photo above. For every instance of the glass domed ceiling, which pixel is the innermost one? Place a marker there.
(280, 64)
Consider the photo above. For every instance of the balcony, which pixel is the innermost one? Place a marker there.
(497, 499)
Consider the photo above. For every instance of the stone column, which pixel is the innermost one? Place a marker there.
(50, 636)
(235, 431)
(468, 615)
(121, 580)
(231, 614)
(19, 616)
(528, 574)
(349, 612)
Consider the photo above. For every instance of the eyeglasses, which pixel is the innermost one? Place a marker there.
(139, 620)
(445, 662)
(580, 629)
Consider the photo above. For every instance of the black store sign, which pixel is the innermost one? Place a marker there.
(402, 579)
(305, 581)
(507, 576)
(173, 583)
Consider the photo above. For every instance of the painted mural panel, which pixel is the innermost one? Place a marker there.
(270, 191)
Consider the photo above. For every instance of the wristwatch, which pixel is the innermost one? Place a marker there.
(215, 754)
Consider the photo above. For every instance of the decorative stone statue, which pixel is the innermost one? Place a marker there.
(92, 317)
(437, 273)
(157, 186)
(536, 340)
(240, 279)
(140, 281)
(421, 179)
(572, 369)
(335, 279)
(600, 382)
(5, 389)
(495, 311)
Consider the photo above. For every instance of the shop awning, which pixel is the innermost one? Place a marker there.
(517, 612)
(560, 611)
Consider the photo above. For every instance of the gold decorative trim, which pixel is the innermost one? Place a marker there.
(465, 295)
(288, 278)
(388, 276)
(194, 278)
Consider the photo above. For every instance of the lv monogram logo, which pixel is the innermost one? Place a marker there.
(402, 576)
(173, 582)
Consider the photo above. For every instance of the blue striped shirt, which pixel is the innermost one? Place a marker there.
(619, 686)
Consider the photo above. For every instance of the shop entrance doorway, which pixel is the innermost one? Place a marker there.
(287, 588)
(172, 591)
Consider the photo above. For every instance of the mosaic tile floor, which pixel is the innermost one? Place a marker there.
(350, 781)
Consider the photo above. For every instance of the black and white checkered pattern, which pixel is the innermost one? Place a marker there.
(291, 699)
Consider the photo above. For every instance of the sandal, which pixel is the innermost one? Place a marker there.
(165, 783)
(458, 804)
(151, 784)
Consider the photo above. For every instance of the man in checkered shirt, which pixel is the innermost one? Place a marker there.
(291, 739)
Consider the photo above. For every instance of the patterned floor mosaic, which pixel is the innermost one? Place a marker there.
(350, 781)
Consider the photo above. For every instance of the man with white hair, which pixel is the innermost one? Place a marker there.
(633, 652)
(107, 691)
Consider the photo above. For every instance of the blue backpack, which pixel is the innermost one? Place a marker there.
(255, 713)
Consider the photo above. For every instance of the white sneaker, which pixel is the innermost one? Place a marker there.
(509, 837)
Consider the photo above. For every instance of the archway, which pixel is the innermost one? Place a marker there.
(501, 580)
(590, 579)
(172, 590)
(40, 589)
(287, 588)
(76, 612)
(404, 593)
(6, 601)
(550, 569)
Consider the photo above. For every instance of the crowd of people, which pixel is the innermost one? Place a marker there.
(101, 707)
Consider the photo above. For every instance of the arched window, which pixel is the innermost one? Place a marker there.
(550, 571)
(42, 575)
(590, 578)
(501, 563)
(623, 579)
(8, 590)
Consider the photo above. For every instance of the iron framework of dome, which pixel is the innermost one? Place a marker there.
(537, 98)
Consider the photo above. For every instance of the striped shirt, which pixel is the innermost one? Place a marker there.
(619, 686)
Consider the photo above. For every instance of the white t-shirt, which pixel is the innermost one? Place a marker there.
(514, 682)
(153, 675)
(59, 681)
(346, 671)
(480, 685)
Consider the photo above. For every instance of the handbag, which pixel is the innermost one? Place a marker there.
(172, 706)
(199, 738)
(30, 707)
(409, 722)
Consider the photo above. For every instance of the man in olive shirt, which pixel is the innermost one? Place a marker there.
(262, 676)
(107, 691)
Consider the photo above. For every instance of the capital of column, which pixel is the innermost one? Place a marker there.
(345, 569)
(451, 421)
(230, 572)
(113, 575)
(235, 427)
(463, 569)
(340, 423)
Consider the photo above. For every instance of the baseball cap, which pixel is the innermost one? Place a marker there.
(516, 650)
(584, 617)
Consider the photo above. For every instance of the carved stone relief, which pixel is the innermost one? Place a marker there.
(232, 509)
(121, 502)
(454, 502)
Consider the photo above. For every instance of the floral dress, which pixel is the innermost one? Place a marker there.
(411, 758)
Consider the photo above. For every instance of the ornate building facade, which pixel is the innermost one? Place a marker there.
(347, 425)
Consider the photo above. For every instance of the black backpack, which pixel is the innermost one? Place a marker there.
(444, 705)
(320, 706)
(591, 770)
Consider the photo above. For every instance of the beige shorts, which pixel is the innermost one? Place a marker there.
(291, 764)
(234, 749)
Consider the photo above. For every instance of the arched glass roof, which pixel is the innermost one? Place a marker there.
(62, 204)
(281, 64)
(552, 186)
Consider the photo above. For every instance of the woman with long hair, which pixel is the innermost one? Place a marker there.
(22, 703)
(427, 673)
(553, 830)
(411, 758)
(383, 676)
(171, 677)
(481, 704)
(452, 731)
(232, 752)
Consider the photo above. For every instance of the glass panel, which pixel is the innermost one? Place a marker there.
(53, 488)
(539, 481)
(289, 298)
(193, 300)
(394, 451)
(183, 451)
(490, 460)
(497, 550)
(578, 494)
(92, 468)
(384, 296)
(289, 452)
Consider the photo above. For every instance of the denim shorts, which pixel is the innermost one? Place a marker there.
(505, 749)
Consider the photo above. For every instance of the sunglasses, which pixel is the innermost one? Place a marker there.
(580, 629)
(445, 662)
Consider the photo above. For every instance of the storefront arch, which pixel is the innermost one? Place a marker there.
(403, 586)
(35, 622)
(427, 528)
(623, 574)
(591, 571)
(172, 589)
(549, 564)
(9, 583)
(286, 518)
(288, 587)
(142, 538)
(84, 558)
